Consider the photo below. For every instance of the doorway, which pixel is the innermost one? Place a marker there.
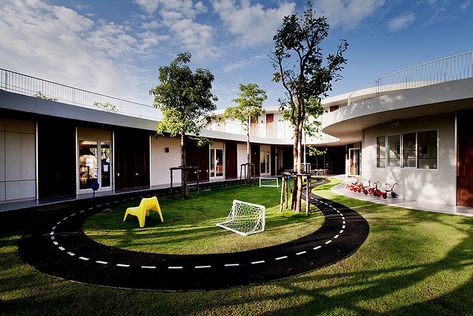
(216, 163)
(95, 162)
(354, 161)
(465, 159)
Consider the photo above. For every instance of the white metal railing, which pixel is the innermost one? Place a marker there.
(44, 89)
(450, 68)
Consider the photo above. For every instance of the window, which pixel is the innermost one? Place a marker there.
(381, 152)
(427, 150)
(409, 150)
(394, 149)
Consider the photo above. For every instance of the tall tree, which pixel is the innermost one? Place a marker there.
(249, 106)
(306, 75)
(186, 102)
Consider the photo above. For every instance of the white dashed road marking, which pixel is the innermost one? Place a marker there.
(175, 267)
(328, 242)
(318, 247)
(203, 267)
(148, 267)
(232, 265)
(281, 258)
(122, 265)
(84, 258)
(61, 248)
(71, 254)
(101, 262)
(301, 253)
(257, 262)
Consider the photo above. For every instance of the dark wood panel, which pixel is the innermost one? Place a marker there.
(197, 156)
(230, 160)
(255, 158)
(465, 159)
(131, 159)
(274, 158)
(56, 158)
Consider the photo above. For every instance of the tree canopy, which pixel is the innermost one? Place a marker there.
(184, 97)
(186, 102)
(306, 75)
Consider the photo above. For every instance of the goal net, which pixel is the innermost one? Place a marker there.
(269, 182)
(245, 218)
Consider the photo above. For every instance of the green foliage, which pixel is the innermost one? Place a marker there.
(184, 97)
(302, 68)
(41, 96)
(249, 104)
(107, 106)
(313, 151)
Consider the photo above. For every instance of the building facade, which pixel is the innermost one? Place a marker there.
(412, 128)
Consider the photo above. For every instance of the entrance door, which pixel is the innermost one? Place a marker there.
(465, 159)
(354, 154)
(216, 163)
(230, 160)
(265, 163)
(94, 164)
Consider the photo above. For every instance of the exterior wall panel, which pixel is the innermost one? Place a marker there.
(424, 185)
(161, 160)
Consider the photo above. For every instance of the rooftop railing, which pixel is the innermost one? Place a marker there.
(450, 68)
(48, 90)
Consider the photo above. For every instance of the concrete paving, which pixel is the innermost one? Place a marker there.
(415, 205)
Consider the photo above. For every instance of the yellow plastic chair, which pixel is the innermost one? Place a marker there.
(142, 210)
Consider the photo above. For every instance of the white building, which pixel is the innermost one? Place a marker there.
(412, 127)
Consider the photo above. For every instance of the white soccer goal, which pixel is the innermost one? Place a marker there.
(245, 218)
(269, 182)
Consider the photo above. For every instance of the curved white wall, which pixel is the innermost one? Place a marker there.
(431, 186)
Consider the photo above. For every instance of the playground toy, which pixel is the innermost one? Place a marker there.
(245, 218)
(269, 182)
(142, 210)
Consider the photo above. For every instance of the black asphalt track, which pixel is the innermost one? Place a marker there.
(60, 248)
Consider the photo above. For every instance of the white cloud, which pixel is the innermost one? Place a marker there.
(243, 63)
(59, 44)
(347, 13)
(465, 5)
(253, 23)
(401, 21)
(179, 16)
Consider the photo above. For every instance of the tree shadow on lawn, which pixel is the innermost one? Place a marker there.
(364, 291)
(357, 289)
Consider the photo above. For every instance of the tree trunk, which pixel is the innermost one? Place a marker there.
(299, 177)
(184, 192)
(294, 169)
(248, 157)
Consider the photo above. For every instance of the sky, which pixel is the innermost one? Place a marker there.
(116, 47)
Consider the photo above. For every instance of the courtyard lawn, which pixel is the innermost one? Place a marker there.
(412, 263)
(189, 225)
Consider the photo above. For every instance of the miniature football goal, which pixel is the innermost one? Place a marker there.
(245, 218)
(269, 182)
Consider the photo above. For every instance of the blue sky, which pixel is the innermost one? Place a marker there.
(116, 46)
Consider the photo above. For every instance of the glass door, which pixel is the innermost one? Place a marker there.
(265, 163)
(94, 164)
(216, 163)
(354, 155)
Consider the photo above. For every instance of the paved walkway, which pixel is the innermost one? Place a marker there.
(58, 246)
(415, 205)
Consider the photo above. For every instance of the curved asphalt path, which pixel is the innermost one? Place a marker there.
(60, 248)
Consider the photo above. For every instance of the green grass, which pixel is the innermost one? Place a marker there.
(189, 225)
(413, 263)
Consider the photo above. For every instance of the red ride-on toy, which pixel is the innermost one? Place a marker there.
(377, 192)
(354, 186)
(389, 189)
(367, 188)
